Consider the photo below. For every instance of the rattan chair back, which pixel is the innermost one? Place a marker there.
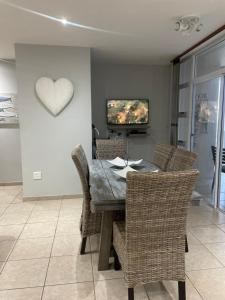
(182, 160)
(81, 163)
(156, 211)
(90, 222)
(162, 155)
(111, 148)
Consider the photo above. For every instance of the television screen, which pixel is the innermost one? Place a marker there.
(127, 112)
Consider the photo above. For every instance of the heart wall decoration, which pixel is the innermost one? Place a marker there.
(55, 95)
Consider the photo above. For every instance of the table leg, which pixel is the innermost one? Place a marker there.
(105, 240)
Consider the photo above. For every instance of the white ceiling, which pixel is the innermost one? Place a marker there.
(144, 28)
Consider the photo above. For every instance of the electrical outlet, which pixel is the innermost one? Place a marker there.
(37, 175)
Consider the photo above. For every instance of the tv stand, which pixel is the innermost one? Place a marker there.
(137, 132)
(128, 131)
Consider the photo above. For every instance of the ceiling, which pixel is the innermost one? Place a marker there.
(137, 31)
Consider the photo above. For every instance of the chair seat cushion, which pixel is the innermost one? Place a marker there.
(119, 240)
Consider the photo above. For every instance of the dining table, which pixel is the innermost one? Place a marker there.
(108, 195)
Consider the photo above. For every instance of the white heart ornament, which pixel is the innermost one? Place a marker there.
(55, 95)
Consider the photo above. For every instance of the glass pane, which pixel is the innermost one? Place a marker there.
(184, 99)
(222, 171)
(183, 132)
(211, 60)
(185, 71)
(184, 115)
(206, 104)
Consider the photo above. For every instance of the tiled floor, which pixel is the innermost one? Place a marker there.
(39, 255)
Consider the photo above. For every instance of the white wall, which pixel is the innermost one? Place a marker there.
(134, 81)
(10, 155)
(8, 82)
(47, 141)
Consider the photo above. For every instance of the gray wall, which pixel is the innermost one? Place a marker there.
(127, 81)
(47, 141)
(10, 155)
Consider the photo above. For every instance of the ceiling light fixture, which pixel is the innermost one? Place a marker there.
(187, 24)
(64, 21)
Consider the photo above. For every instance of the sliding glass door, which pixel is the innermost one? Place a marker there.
(205, 137)
(221, 167)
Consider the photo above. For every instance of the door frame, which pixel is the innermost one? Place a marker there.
(221, 140)
(219, 136)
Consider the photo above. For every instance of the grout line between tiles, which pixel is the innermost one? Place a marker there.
(209, 252)
(194, 287)
(93, 281)
(148, 296)
(42, 294)
(15, 241)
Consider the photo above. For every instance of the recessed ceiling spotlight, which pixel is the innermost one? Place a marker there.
(187, 24)
(64, 21)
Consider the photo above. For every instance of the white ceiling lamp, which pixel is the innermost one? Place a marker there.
(64, 21)
(188, 24)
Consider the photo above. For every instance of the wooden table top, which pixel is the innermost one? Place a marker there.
(108, 190)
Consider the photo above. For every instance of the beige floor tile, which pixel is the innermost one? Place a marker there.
(116, 289)
(19, 198)
(199, 208)
(209, 283)
(5, 249)
(6, 198)
(222, 227)
(2, 264)
(157, 291)
(20, 208)
(172, 289)
(78, 291)
(48, 205)
(3, 208)
(199, 257)
(68, 245)
(32, 248)
(8, 193)
(192, 240)
(14, 218)
(40, 216)
(69, 269)
(23, 273)
(94, 241)
(218, 217)
(68, 228)
(200, 218)
(107, 274)
(36, 230)
(68, 204)
(208, 234)
(22, 294)
(12, 188)
(69, 216)
(217, 249)
(10, 232)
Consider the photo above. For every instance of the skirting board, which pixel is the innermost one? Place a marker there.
(10, 183)
(52, 197)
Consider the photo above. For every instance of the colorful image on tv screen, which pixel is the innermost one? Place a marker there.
(122, 112)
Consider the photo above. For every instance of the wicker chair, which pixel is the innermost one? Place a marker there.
(214, 153)
(90, 222)
(110, 149)
(181, 160)
(162, 155)
(150, 245)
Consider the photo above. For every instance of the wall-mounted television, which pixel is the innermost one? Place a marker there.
(127, 111)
